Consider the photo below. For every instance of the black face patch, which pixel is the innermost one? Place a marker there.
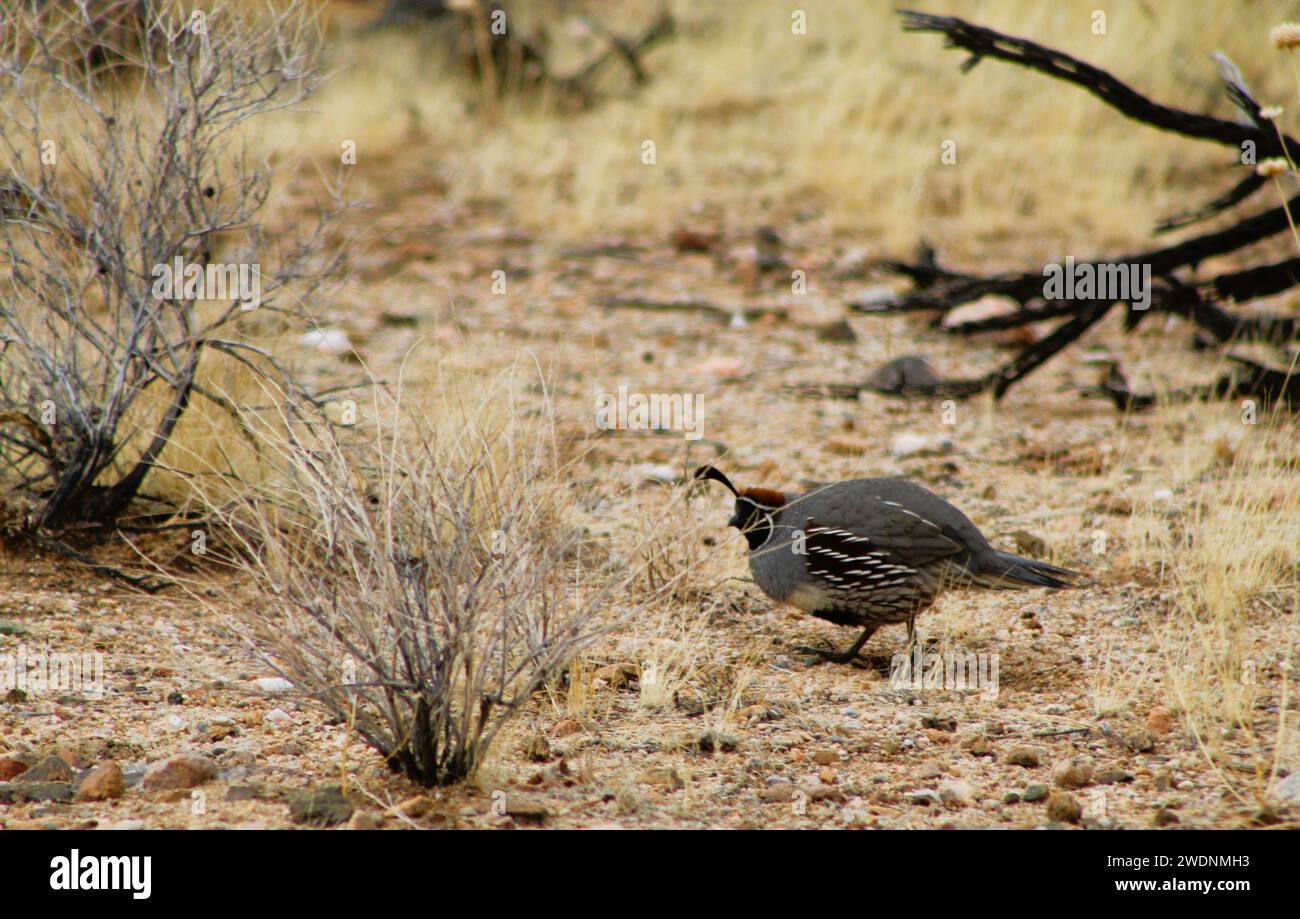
(754, 521)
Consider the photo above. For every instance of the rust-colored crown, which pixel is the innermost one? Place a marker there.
(768, 497)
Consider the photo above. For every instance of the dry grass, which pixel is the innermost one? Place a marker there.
(754, 124)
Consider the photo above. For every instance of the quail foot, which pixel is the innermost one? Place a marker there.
(870, 552)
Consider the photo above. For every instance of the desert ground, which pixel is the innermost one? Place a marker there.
(1158, 693)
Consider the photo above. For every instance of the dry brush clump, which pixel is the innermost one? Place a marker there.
(422, 579)
(1238, 560)
(131, 242)
(1224, 540)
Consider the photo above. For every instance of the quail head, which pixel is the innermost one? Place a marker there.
(870, 552)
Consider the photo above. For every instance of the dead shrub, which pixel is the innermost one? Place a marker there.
(109, 189)
(422, 580)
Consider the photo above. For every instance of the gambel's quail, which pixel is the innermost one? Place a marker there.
(870, 552)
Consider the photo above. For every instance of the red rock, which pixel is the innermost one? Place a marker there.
(694, 239)
(104, 782)
(414, 807)
(10, 768)
(184, 771)
(1160, 720)
(566, 727)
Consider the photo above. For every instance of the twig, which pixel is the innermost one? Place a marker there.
(694, 306)
(1062, 732)
(55, 545)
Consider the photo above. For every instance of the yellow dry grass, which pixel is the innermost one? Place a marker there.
(753, 123)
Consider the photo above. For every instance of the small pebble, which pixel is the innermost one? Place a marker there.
(956, 794)
(1113, 776)
(1164, 817)
(1063, 807)
(1160, 720)
(1024, 756)
(1075, 772)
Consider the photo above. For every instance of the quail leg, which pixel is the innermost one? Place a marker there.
(842, 657)
(910, 647)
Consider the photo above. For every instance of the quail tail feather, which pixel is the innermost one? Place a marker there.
(1008, 571)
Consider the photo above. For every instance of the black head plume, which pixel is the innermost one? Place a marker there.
(708, 472)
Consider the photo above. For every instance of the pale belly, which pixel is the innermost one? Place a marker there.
(809, 598)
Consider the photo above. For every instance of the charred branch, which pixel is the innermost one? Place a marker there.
(982, 42)
(1271, 385)
(938, 290)
(1231, 198)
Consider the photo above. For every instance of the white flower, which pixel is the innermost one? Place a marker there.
(1274, 166)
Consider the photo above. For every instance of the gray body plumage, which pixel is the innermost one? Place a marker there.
(871, 552)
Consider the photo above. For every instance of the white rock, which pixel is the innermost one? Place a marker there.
(956, 792)
(985, 307)
(1287, 791)
(718, 367)
(273, 684)
(877, 294)
(126, 825)
(278, 717)
(659, 473)
(328, 341)
(906, 444)
(1163, 494)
